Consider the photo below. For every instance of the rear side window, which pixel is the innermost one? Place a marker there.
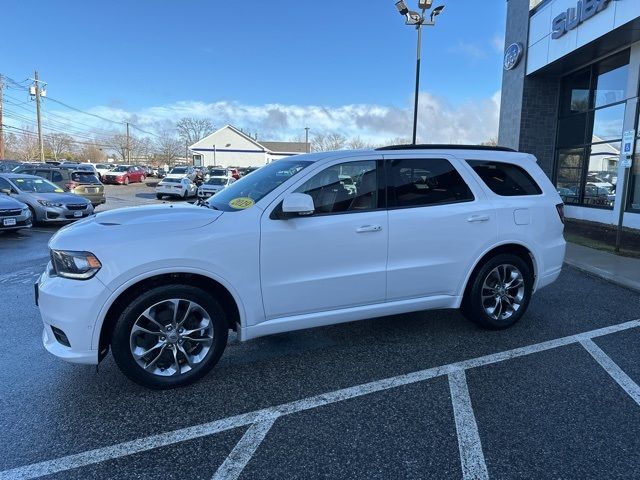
(425, 181)
(505, 179)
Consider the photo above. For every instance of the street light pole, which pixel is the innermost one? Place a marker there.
(415, 102)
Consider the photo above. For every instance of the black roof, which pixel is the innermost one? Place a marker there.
(444, 146)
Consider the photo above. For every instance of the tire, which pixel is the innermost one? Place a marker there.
(142, 178)
(164, 372)
(34, 219)
(158, 196)
(184, 195)
(126, 180)
(493, 280)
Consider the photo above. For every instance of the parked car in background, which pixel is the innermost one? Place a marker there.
(14, 214)
(53, 163)
(214, 185)
(234, 173)
(161, 173)
(182, 172)
(124, 175)
(102, 169)
(88, 167)
(83, 183)
(8, 165)
(175, 187)
(69, 165)
(48, 202)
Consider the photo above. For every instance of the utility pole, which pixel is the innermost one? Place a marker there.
(1, 126)
(128, 147)
(38, 91)
(306, 139)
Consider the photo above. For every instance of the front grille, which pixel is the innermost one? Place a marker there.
(10, 213)
(77, 206)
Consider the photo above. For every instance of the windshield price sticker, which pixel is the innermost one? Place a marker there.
(241, 203)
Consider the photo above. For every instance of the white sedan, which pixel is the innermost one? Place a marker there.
(175, 187)
(213, 185)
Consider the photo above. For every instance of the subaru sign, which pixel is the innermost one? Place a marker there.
(584, 10)
(512, 56)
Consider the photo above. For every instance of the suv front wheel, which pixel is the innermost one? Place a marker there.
(499, 292)
(170, 336)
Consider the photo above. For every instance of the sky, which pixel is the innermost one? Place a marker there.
(270, 67)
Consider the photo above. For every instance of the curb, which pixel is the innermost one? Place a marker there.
(605, 275)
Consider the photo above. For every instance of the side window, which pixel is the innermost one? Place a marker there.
(43, 173)
(425, 181)
(345, 187)
(56, 177)
(505, 179)
(5, 185)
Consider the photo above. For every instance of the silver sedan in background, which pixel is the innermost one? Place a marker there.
(48, 202)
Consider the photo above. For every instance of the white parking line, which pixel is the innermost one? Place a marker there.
(163, 439)
(613, 369)
(241, 454)
(471, 456)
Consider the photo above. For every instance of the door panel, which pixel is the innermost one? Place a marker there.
(431, 247)
(333, 259)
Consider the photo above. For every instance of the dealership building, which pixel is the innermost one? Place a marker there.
(570, 96)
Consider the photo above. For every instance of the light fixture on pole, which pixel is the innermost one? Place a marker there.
(418, 20)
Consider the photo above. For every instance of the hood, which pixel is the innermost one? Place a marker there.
(65, 198)
(6, 202)
(124, 224)
(177, 175)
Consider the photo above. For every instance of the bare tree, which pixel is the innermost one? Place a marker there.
(168, 147)
(11, 146)
(93, 153)
(492, 142)
(27, 145)
(191, 129)
(58, 144)
(398, 141)
(118, 143)
(358, 144)
(330, 141)
(141, 149)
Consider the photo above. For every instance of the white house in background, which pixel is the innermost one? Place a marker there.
(229, 147)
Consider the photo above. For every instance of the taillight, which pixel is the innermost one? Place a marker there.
(70, 185)
(560, 209)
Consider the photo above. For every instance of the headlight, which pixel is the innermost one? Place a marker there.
(44, 203)
(75, 265)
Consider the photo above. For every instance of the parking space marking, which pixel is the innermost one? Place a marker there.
(97, 455)
(471, 456)
(232, 467)
(612, 368)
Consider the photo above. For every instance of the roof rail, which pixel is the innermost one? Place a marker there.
(444, 146)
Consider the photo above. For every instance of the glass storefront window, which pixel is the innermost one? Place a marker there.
(575, 93)
(608, 123)
(570, 163)
(611, 80)
(590, 124)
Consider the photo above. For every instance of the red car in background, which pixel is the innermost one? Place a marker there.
(124, 175)
(233, 172)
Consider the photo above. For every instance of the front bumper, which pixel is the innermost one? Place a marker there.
(73, 307)
(21, 221)
(113, 180)
(63, 214)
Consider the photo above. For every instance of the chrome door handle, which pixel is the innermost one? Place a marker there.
(478, 218)
(369, 228)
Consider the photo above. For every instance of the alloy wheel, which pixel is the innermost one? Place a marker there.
(172, 337)
(503, 292)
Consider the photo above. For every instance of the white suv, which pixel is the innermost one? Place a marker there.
(305, 241)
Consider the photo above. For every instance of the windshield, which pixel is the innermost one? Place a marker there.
(82, 177)
(179, 170)
(217, 181)
(248, 190)
(35, 185)
(171, 180)
(218, 173)
(122, 168)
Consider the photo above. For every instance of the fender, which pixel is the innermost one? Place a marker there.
(536, 267)
(95, 339)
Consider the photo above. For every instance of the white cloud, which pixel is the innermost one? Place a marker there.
(440, 120)
(472, 51)
(498, 43)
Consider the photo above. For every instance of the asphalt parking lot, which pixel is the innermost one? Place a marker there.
(422, 395)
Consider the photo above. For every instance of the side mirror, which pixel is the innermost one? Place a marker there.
(6, 191)
(299, 203)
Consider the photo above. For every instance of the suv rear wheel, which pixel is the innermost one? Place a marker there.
(499, 292)
(170, 336)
